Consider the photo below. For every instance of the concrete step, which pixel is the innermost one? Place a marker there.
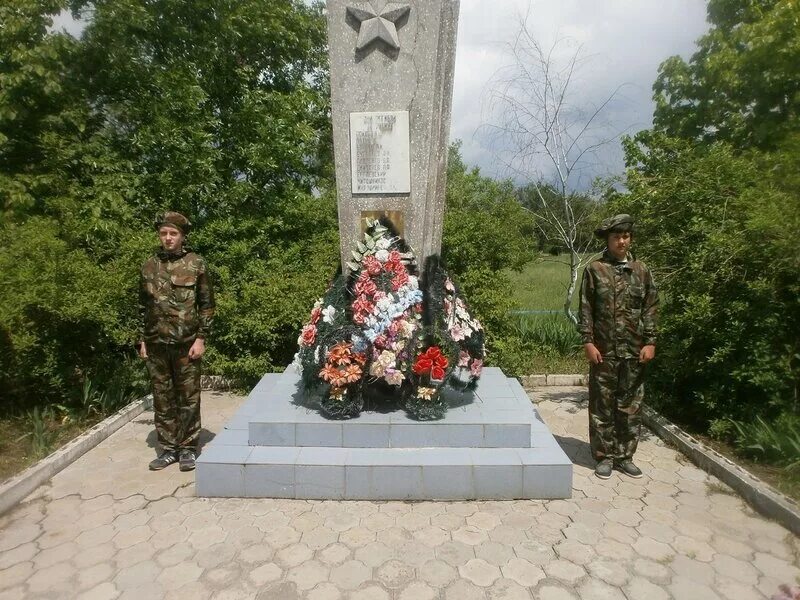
(383, 473)
(492, 444)
(497, 415)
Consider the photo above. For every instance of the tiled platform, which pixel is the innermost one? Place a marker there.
(492, 444)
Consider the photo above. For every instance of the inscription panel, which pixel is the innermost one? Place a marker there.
(379, 153)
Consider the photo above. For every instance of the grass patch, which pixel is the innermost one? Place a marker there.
(786, 481)
(539, 296)
(17, 453)
(541, 285)
(28, 435)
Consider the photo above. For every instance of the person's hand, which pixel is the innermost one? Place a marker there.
(647, 354)
(592, 354)
(198, 349)
(143, 351)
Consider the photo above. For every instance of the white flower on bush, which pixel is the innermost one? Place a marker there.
(383, 244)
(328, 313)
(382, 255)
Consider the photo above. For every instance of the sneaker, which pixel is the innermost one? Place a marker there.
(187, 460)
(603, 468)
(165, 459)
(630, 469)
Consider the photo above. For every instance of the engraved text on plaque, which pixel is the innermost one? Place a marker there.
(379, 153)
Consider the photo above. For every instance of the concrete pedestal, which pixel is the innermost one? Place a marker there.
(492, 444)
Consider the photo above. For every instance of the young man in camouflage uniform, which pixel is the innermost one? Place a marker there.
(617, 324)
(177, 306)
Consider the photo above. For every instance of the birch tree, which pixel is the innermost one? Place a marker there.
(546, 140)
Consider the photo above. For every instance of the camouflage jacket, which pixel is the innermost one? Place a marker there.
(176, 299)
(619, 303)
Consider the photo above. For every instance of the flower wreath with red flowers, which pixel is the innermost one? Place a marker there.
(382, 326)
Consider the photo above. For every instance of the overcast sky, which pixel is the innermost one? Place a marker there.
(623, 42)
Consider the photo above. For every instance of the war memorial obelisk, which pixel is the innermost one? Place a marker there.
(391, 67)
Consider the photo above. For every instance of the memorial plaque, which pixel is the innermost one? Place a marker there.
(379, 153)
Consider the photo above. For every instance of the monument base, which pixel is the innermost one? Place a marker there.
(491, 444)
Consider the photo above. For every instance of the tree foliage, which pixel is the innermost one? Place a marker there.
(741, 86)
(487, 232)
(214, 108)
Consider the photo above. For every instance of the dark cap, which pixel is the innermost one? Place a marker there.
(173, 219)
(611, 223)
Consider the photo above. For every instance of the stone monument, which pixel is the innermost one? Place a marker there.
(392, 69)
(391, 88)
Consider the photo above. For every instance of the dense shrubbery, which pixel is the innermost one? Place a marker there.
(215, 109)
(716, 228)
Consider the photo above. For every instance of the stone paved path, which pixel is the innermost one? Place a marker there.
(105, 527)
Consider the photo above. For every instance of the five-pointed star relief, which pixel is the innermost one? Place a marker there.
(376, 25)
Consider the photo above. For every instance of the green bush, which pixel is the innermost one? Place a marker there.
(720, 231)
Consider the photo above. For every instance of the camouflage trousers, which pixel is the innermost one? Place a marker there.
(176, 395)
(616, 390)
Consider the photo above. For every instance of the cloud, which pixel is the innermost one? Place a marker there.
(623, 42)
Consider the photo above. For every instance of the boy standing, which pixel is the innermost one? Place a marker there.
(617, 323)
(177, 306)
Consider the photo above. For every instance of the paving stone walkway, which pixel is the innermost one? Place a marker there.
(105, 527)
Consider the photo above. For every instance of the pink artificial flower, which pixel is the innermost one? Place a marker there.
(372, 265)
(316, 312)
(448, 285)
(381, 341)
(399, 280)
(476, 367)
(365, 287)
(463, 359)
(308, 335)
(457, 333)
(362, 305)
(379, 295)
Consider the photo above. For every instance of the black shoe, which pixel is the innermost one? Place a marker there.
(630, 469)
(165, 459)
(187, 460)
(603, 468)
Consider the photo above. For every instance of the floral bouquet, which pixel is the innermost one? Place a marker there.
(377, 327)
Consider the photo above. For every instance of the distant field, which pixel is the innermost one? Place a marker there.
(539, 289)
(541, 285)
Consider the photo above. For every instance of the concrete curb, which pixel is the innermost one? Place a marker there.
(19, 486)
(531, 381)
(759, 495)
